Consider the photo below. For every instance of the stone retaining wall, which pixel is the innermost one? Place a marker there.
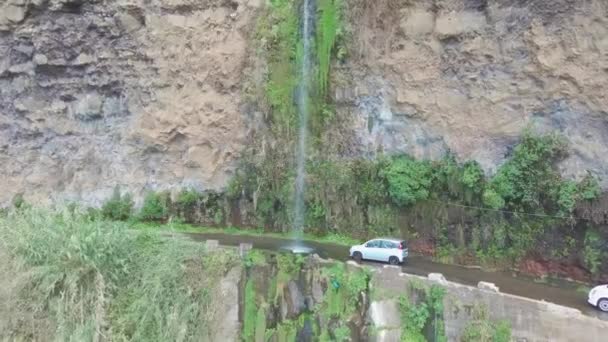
(531, 320)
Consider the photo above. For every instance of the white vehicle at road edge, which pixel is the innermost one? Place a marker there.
(393, 251)
(598, 297)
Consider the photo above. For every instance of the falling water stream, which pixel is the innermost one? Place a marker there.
(302, 106)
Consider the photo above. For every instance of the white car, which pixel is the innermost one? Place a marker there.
(598, 297)
(392, 251)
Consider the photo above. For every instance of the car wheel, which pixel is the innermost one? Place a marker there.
(393, 260)
(602, 304)
(357, 256)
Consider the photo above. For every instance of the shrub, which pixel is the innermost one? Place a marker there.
(155, 207)
(502, 332)
(427, 313)
(187, 198)
(472, 175)
(481, 329)
(492, 199)
(408, 180)
(567, 197)
(18, 201)
(589, 188)
(529, 174)
(118, 207)
(593, 251)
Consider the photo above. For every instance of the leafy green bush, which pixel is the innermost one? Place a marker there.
(341, 300)
(529, 174)
(428, 312)
(118, 207)
(155, 207)
(408, 180)
(492, 199)
(567, 197)
(589, 188)
(18, 201)
(594, 251)
(502, 332)
(187, 198)
(472, 175)
(255, 258)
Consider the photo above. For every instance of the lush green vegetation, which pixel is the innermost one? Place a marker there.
(422, 314)
(595, 251)
(408, 180)
(84, 279)
(251, 310)
(344, 294)
(268, 290)
(278, 33)
(481, 329)
(466, 215)
(119, 207)
(328, 32)
(155, 207)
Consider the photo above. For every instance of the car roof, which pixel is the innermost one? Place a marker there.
(387, 239)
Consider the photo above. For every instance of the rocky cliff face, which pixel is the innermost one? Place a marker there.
(142, 94)
(469, 76)
(147, 94)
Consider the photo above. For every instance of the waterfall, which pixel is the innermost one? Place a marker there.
(302, 104)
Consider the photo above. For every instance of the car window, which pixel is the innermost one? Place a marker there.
(388, 244)
(373, 244)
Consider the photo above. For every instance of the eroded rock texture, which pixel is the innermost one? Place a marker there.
(142, 94)
(469, 76)
(147, 94)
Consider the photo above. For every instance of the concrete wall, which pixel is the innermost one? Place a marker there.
(531, 320)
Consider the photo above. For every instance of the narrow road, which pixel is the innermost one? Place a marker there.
(559, 292)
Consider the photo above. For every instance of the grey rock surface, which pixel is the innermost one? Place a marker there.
(95, 94)
(427, 77)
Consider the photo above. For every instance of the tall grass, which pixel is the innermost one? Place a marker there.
(158, 305)
(93, 280)
(74, 265)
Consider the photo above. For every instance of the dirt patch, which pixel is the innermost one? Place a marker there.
(549, 268)
(422, 247)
